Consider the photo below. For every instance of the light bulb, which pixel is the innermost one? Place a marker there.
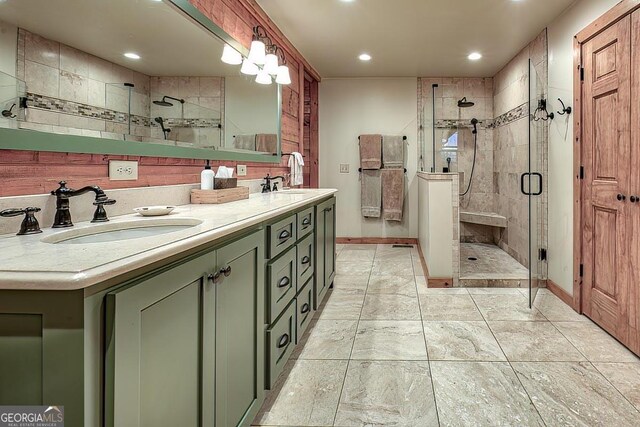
(249, 68)
(231, 56)
(263, 78)
(283, 76)
(271, 64)
(257, 52)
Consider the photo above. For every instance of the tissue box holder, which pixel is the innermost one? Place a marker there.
(215, 197)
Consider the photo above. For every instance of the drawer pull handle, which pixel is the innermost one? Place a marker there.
(284, 235)
(214, 277)
(283, 341)
(306, 222)
(226, 271)
(305, 260)
(305, 308)
(328, 209)
(284, 282)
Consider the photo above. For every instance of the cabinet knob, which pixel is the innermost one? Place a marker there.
(284, 282)
(306, 221)
(305, 308)
(226, 271)
(283, 341)
(214, 277)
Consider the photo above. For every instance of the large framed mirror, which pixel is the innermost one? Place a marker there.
(133, 77)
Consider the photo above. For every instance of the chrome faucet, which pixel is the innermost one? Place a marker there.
(63, 194)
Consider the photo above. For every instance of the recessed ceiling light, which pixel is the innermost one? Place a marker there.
(364, 57)
(474, 56)
(132, 55)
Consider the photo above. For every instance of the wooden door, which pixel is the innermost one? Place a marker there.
(239, 331)
(310, 132)
(634, 252)
(606, 137)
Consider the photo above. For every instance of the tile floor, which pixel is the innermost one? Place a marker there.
(487, 265)
(386, 351)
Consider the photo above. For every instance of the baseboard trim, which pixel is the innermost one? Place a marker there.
(440, 282)
(376, 240)
(555, 289)
(425, 267)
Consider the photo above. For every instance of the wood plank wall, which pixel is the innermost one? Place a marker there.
(29, 172)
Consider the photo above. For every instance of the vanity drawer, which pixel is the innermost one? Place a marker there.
(282, 279)
(306, 260)
(304, 303)
(280, 343)
(305, 222)
(281, 236)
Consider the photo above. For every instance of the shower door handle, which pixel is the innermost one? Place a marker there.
(522, 177)
(539, 175)
(522, 181)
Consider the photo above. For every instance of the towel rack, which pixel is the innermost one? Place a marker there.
(360, 169)
(404, 138)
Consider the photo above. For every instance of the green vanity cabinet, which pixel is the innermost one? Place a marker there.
(325, 248)
(182, 346)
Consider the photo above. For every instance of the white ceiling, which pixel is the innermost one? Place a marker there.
(169, 43)
(411, 37)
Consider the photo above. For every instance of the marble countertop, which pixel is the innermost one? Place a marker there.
(26, 262)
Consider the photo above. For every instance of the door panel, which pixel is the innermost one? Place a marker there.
(606, 159)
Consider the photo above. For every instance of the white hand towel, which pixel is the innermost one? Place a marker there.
(295, 165)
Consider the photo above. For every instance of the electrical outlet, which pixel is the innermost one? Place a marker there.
(120, 170)
(344, 168)
(241, 170)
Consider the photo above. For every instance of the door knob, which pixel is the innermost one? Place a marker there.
(621, 197)
(634, 199)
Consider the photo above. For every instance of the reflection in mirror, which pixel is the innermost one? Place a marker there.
(133, 70)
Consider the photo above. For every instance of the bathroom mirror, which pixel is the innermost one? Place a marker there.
(136, 77)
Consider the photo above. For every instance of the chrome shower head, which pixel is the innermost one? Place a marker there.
(463, 103)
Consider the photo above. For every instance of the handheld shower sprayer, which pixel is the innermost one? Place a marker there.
(474, 122)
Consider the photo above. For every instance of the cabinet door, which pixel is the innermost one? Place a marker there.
(325, 248)
(330, 243)
(240, 331)
(154, 342)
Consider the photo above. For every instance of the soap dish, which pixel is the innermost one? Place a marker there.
(154, 210)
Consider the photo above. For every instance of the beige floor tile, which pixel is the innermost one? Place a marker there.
(393, 267)
(575, 394)
(507, 307)
(345, 304)
(625, 377)
(448, 307)
(553, 308)
(533, 341)
(364, 247)
(327, 339)
(390, 307)
(389, 340)
(353, 268)
(494, 291)
(461, 340)
(387, 393)
(356, 255)
(417, 268)
(491, 263)
(595, 343)
(306, 394)
(392, 285)
(481, 394)
(341, 282)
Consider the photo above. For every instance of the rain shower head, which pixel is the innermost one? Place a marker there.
(463, 103)
(165, 103)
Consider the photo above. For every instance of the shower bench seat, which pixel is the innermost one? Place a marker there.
(484, 218)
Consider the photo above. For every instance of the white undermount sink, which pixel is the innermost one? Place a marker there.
(117, 231)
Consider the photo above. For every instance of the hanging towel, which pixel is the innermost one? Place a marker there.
(370, 151)
(295, 166)
(392, 151)
(370, 193)
(245, 142)
(267, 143)
(392, 194)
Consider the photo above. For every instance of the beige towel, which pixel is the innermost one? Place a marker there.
(245, 142)
(370, 151)
(392, 194)
(392, 151)
(370, 193)
(267, 143)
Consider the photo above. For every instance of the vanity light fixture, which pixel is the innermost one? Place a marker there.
(231, 56)
(271, 64)
(257, 53)
(132, 55)
(364, 57)
(283, 76)
(249, 68)
(474, 56)
(263, 78)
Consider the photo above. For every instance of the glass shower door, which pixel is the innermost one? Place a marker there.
(532, 184)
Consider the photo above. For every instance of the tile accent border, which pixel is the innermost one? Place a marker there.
(513, 115)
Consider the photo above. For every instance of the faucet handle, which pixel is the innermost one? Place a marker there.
(100, 215)
(61, 189)
(29, 224)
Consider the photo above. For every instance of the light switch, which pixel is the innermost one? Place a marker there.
(121, 170)
(344, 168)
(241, 170)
